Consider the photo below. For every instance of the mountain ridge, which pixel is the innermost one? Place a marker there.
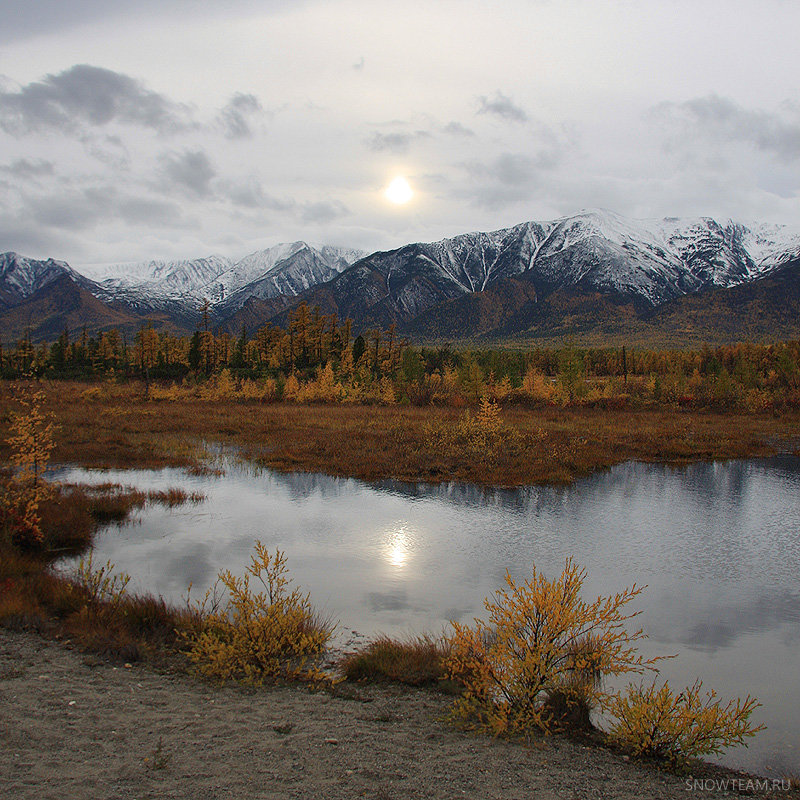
(481, 283)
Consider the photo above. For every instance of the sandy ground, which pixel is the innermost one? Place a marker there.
(73, 727)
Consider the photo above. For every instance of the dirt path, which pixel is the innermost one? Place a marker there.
(73, 727)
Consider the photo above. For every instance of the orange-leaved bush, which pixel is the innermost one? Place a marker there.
(653, 721)
(246, 634)
(539, 660)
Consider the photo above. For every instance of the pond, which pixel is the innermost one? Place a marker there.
(718, 545)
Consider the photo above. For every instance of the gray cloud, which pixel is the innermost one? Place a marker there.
(249, 193)
(72, 211)
(722, 118)
(457, 129)
(109, 150)
(501, 106)
(149, 210)
(82, 209)
(511, 169)
(234, 117)
(394, 142)
(22, 234)
(359, 65)
(191, 171)
(21, 18)
(509, 177)
(87, 95)
(27, 169)
(324, 211)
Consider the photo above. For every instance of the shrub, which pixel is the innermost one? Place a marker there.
(251, 635)
(31, 440)
(416, 662)
(538, 663)
(104, 591)
(655, 722)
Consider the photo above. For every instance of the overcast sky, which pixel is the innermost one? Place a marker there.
(140, 129)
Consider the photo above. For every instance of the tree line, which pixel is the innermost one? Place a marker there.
(315, 357)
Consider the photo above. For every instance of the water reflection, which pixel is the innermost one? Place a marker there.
(397, 546)
(717, 545)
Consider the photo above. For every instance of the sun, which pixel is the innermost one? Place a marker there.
(398, 191)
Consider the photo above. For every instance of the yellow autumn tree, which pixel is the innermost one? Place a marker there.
(31, 440)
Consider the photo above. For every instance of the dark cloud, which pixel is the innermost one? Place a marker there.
(501, 106)
(109, 150)
(86, 95)
(720, 118)
(508, 178)
(26, 169)
(72, 211)
(395, 600)
(234, 117)
(457, 129)
(395, 142)
(82, 209)
(21, 18)
(324, 211)
(20, 233)
(511, 169)
(249, 193)
(149, 210)
(190, 171)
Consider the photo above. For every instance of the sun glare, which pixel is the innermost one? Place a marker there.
(398, 191)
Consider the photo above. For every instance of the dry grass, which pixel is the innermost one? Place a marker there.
(121, 429)
(416, 661)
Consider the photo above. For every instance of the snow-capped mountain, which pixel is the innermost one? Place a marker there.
(589, 265)
(286, 269)
(185, 285)
(647, 262)
(22, 277)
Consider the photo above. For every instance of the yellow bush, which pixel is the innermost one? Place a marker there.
(255, 390)
(676, 727)
(171, 393)
(31, 439)
(538, 386)
(323, 389)
(92, 394)
(538, 663)
(387, 395)
(252, 635)
(291, 389)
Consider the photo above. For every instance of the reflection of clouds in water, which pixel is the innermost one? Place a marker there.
(714, 621)
(396, 600)
(195, 568)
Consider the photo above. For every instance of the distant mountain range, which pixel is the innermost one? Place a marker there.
(594, 276)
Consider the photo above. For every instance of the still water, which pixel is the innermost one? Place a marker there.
(717, 544)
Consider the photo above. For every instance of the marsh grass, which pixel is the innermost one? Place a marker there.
(536, 444)
(90, 607)
(416, 661)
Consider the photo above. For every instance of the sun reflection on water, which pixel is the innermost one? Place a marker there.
(398, 544)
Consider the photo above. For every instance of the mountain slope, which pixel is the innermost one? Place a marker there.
(181, 288)
(22, 277)
(62, 303)
(593, 274)
(644, 264)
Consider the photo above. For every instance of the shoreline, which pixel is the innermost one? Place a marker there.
(80, 727)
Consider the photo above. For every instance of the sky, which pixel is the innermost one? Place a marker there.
(161, 129)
